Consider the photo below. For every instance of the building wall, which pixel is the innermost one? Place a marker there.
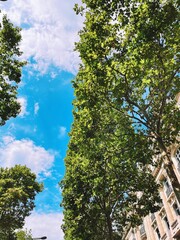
(164, 224)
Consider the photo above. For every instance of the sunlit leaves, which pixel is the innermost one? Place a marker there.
(18, 188)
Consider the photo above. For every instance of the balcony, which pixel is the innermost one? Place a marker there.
(175, 226)
(164, 237)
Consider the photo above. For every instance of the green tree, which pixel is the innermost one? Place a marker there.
(104, 172)
(10, 70)
(125, 114)
(130, 57)
(24, 235)
(18, 188)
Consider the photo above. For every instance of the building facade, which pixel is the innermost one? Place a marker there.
(164, 224)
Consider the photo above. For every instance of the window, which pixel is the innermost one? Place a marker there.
(153, 217)
(156, 230)
(166, 222)
(176, 208)
(142, 230)
(158, 235)
(166, 183)
(178, 155)
(178, 158)
(168, 188)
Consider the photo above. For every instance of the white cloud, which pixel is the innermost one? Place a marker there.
(49, 31)
(36, 108)
(43, 224)
(23, 103)
(8, 139)
(25, 152)
(62, 131)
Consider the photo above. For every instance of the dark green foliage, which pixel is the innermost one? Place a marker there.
(10, 70)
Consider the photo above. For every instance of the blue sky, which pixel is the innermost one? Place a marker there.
(38, 137)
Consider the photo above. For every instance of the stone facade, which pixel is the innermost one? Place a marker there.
(165, 224)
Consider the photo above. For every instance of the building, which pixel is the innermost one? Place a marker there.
(164, 224)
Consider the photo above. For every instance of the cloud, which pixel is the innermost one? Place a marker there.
(49, 31)
(8, 139)
(43, 224)
(25, 152)
(62, 131)
(25, 128)
(36, 108)
(23, 103)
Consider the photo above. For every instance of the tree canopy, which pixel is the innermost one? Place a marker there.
(10, 69)
(24, 235)
(130, 52)
(125, 114)
(18, 188)
(104, 172)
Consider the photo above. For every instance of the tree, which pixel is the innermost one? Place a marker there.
(130, 56)
(10, 70)
(24, 235)
(18, 188)
(104, 172)
(125, 114)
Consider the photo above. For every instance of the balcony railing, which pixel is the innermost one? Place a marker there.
(164, 237)
(175, 226)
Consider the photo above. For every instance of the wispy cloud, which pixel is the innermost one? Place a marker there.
(43, 224)
(36, 108)
(49, 32)
(23, 103)
(25, 152)
(62, 132)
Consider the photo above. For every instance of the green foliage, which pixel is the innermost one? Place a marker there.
(18, 188)
(24, 235)
(10, 70)
(105, 169)
(125, 114)
(132, 55)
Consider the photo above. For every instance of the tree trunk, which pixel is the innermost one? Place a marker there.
(109, 224)
(174, 180)
(169, 168)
